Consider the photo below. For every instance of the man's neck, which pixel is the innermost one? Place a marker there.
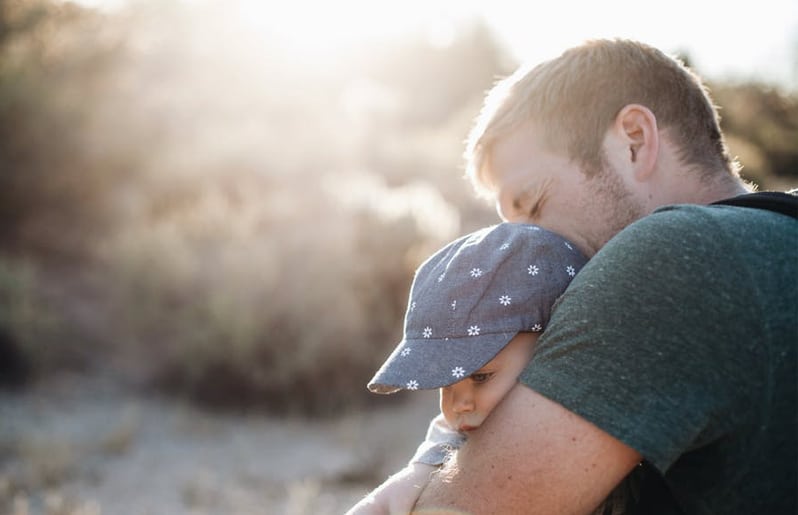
(693, 190)
(727, 189)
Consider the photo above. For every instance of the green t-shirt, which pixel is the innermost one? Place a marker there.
(679, 338)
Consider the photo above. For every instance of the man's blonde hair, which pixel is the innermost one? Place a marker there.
(575, 98)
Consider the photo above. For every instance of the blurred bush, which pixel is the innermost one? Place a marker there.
(57, 173)
(34, 338)
(225, 221)
(246, 299)
(761, 123)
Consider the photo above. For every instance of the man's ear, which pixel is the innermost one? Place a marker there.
(637, 127)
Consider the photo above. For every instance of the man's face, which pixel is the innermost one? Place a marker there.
(535, 185)
(467, 403)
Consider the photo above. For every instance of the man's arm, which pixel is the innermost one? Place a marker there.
(530, 456)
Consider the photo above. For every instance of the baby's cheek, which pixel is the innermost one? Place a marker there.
(446, 407)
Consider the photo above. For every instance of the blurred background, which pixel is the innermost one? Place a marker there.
(210, 213)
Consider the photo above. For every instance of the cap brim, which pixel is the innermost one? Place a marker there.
(423, 364)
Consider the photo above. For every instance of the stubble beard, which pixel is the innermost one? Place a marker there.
(612, 203)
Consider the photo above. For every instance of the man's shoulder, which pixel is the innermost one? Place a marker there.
(755, 207)
(666, 230)
(711, 224)
(690, 239)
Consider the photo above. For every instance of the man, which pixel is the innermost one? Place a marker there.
(675, 347)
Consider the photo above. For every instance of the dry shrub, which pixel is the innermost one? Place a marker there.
(34, 337)
(58, 169)
(280, 295)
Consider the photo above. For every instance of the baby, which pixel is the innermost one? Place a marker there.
(474, 313)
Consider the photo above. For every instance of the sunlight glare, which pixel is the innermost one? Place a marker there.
(317, 29)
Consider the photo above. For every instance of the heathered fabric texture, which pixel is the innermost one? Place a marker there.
(679, 338)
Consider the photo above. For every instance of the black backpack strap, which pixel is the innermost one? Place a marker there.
(784, 203)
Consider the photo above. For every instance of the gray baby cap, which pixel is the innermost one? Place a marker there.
(469, 299)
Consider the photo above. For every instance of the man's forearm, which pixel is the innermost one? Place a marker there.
(530, 456)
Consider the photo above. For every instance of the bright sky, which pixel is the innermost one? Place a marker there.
(724, 39)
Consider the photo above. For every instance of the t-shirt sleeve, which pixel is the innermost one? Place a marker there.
(653, 340)
(440, 440)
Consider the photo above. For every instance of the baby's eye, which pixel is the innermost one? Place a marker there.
(481, 377)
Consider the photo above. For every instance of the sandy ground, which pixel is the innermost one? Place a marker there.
(78, 446)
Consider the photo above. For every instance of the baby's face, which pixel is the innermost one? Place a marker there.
(466, 404)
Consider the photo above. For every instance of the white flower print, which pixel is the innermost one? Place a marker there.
(412, 306)
(454, 304)
(473, 330)
(476, 272)
(571, 270)
(504, 246)
(504, 300)
(568, 245)
(412, 385)
(440, 277)
(406, 351)
(533, 270)
(427, 332)
(537, 328)
(458, 372)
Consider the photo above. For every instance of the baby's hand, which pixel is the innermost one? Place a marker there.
(398, 494)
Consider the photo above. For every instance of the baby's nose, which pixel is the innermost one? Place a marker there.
(463, 400)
